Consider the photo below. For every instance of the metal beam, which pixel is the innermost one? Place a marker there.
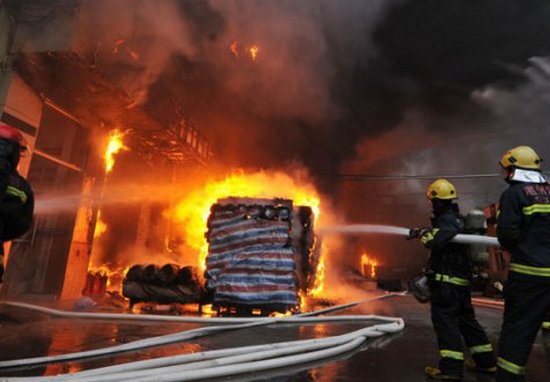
(57, 160)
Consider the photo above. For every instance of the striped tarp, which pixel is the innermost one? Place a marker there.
(250, 260)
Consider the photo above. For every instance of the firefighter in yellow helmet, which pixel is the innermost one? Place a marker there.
(449, 274)
(523, 228)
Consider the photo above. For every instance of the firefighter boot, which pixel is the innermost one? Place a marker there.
(435, 373)
(472, 366)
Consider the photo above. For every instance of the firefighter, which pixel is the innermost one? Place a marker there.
(449, 272)
(523, 228)
(16, 196)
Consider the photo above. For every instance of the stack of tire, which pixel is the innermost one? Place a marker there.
(162, 285)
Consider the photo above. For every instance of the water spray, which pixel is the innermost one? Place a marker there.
(364, 229)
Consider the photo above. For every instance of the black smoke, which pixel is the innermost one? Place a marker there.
(331, 77)
(365, 71)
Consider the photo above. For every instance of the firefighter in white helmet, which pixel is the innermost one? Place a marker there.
(523, 228)
(449, 273)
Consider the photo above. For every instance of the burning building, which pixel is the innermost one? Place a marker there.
(73, 118)
(113, 179)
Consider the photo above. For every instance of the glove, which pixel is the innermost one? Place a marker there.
(417, 233)
(420, 289)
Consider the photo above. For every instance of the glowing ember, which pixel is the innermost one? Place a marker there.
(121, 44)
(254, 52)
(133, 54)
(118, 44)
(208, 311)
(114, 145)
(234, 48)
(114, 276)
(193, 211)
(367, 262)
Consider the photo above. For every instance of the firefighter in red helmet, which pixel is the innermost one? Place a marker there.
(448, 278)
(523, 228)
(16, 196)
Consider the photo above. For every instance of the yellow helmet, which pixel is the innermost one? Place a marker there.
(521, 157)
(441, 189)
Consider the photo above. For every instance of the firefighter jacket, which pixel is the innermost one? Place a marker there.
(448, 261)
(523, 227)
(16, 207)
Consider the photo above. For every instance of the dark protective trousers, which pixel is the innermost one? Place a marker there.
(527, 303)
(453, 318)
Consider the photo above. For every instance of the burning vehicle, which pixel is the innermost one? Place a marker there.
(262, 255)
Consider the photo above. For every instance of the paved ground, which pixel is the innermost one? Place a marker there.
(399, 357)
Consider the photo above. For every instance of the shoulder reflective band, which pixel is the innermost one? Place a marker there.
(452, 354)
(536, 208)
(546, 325)
(452, 280)
(510, 367)
(429, 236)
(528, 270)
(17, 193)
(481, 349)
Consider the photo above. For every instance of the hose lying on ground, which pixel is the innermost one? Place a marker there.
(223, 362)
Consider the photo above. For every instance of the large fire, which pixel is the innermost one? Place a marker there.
(193, 210)
(190, 214)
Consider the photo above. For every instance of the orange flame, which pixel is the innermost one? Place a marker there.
(366, 262)
(319, 286)
(114, 275)
(234, 48)
(254, 50)
(100, 226)
(193, 211)
(114, 145)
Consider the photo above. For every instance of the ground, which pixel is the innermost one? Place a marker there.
(400, 357)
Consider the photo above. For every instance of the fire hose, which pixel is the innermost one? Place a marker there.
(216, 363)
(355, 229)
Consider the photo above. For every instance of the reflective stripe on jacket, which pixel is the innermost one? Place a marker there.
(523, 227)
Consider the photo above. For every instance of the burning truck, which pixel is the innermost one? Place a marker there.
(262, 255)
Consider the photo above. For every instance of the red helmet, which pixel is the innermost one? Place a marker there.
(8, 132)
(11, 133)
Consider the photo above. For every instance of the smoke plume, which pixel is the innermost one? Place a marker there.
(383, 87)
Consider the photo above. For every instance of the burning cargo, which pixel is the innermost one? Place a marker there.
(163, 285)
(261, 253)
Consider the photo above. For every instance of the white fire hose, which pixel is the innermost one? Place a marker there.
(355, 229)
(210, 364)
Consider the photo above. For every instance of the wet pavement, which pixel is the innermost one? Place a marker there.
(397, 357)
